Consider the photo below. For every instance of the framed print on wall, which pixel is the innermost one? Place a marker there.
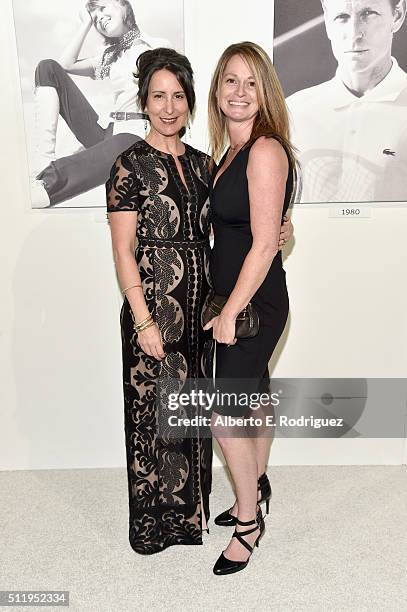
(76, 61)
(343, 70)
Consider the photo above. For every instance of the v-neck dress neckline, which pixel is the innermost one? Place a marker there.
(186, 187)
(221, 163)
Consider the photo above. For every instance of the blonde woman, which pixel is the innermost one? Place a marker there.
(250, 193)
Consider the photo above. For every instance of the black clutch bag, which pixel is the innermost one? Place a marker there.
(247, 321)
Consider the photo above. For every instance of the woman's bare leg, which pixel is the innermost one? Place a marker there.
(264, 439)
(261, 444)
(241, 460)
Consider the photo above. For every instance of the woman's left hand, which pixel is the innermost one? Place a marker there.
(223, 329)
(286, 232)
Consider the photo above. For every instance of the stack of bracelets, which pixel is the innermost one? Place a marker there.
(148, 322)
(139, 327)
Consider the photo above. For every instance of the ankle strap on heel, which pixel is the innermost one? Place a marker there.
(245, 523)
(239, 534)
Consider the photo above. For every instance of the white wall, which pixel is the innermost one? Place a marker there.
(61, 398)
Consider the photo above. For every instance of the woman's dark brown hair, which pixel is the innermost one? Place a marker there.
(162, 58)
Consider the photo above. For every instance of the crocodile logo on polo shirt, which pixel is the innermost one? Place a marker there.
(389, 152)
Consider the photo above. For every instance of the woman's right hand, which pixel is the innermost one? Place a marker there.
(286, 232)
(85, 17)
(150, 341)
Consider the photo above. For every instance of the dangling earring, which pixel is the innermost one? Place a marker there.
(189, 130)
(145, 127)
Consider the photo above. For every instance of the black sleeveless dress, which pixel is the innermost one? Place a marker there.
(243, 367)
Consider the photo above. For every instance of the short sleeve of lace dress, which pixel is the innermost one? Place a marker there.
(122, 186)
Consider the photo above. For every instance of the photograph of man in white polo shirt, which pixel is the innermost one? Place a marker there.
(351, 131)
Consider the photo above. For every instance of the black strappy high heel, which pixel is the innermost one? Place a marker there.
(225, 519)
(223, 565)
(264, 486)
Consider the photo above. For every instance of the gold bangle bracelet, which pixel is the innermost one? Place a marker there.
(140, 325)
(131, 287)
(143, 321)
(145, 326)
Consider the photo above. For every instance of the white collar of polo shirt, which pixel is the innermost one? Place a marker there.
(387, 90)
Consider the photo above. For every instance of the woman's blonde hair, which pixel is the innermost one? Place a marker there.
(272, 118)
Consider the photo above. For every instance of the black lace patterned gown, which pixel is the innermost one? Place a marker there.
(168, 479)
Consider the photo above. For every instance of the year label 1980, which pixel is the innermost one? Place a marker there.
(351, 212)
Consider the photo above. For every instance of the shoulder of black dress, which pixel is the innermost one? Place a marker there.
(138, 145)
(262, 141)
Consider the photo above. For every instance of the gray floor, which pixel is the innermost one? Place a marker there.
(335, 539)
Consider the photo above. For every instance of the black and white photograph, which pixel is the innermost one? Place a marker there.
(76, 61)
(203, 375)
(342, 65)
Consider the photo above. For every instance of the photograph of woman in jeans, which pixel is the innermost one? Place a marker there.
(56, 94)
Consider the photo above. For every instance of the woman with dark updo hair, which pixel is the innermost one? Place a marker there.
(160, 188)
